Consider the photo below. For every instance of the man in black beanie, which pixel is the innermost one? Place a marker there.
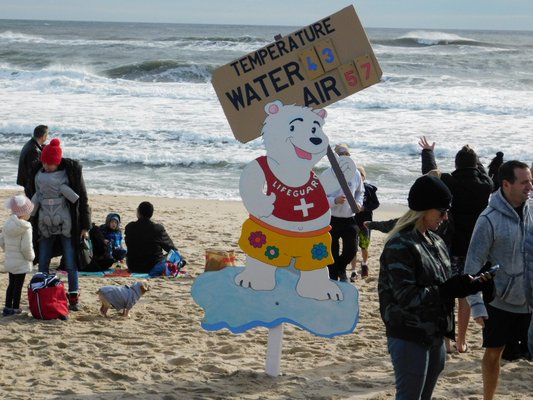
(471, 187)
(146, 241)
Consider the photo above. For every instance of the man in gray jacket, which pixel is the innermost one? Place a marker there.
(500, 237)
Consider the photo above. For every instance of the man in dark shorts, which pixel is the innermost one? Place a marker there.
(499, 236)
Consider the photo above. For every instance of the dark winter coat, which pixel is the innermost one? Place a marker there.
(29, 156)
(80, 212)
(410, 301)
(146, 241)
(471, 188)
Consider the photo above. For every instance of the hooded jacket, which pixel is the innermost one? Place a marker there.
(500, 237)
(471, 188)
(16, 240)
(529, 260)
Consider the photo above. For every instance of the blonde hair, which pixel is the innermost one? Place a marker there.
(435, 172)
(410, 218)
(362, 172)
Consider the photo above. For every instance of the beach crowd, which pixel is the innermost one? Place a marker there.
(466, 241)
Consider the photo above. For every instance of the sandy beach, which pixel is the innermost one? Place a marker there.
(161, 351)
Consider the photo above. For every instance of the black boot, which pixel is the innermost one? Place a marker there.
(73, 301)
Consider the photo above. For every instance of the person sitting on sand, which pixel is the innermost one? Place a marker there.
(145, 241)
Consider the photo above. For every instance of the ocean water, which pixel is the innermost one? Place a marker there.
(134, 103)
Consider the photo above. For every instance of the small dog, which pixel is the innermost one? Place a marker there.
(121, 298)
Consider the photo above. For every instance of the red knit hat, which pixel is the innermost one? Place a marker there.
(52, 153)
(20, 205)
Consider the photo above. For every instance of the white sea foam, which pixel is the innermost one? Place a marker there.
(138, 110)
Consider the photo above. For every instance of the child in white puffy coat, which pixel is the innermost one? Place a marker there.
(16, 241)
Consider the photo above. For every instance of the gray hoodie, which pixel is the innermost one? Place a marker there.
(500, 237)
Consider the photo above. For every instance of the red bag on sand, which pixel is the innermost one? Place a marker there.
(48, 302)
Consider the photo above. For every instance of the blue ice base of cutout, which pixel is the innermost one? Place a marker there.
(238, 309)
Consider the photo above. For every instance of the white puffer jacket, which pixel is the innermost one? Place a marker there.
(16, 240)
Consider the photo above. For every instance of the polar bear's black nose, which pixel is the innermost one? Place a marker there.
(315, 140)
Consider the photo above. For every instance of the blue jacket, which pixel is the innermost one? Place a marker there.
(500, 237)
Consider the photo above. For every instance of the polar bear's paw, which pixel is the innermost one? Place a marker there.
(257, 277)
(317, 285)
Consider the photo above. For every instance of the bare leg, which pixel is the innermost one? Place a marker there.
(364, 253)
(354, 263)
(463, 317)
(490, 366)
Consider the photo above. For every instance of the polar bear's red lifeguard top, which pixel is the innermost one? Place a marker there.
(304, 203)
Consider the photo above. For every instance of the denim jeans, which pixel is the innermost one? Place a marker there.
(46, 246)
(158, 269)
(416, 368)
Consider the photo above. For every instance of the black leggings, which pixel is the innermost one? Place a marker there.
(14, 290)
(344, 229)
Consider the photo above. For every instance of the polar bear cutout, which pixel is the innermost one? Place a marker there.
(289, 217)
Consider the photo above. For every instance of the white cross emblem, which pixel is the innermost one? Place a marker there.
(303, 207)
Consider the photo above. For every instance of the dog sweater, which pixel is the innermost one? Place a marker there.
(122, 297)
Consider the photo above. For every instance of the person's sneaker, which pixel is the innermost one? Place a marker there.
(353, 276)
(74, 307)
(364, 270)
(17, 311)
(8, 311)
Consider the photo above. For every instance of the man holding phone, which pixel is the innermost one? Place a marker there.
(499, 237)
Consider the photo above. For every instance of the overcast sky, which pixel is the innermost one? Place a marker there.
(434, 14)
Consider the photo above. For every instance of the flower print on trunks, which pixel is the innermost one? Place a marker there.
(272, 252)
(257, 239)
(319, 251)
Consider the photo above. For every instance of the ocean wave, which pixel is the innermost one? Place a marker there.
(240, 43)
(431, 38)
(162, 71)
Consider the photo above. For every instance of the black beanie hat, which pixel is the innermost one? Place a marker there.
(429, 192)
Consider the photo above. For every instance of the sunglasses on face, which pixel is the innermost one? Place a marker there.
(443, 211)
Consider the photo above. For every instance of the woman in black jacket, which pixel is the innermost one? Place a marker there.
(416, 290)
(67, 220)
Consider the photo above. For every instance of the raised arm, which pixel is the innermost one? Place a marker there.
(428, 156)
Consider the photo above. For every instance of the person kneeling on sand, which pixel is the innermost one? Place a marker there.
(145, 241)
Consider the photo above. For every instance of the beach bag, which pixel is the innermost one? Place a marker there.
(370, 201)
(47, 297)
(216, 259)
(92, 256)
(86, 253)
(172, 266)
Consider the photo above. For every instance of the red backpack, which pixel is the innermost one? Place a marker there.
(47, 297)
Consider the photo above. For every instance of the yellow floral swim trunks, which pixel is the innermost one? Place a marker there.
(278, 247)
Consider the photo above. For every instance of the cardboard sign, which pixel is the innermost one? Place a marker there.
(315, 66)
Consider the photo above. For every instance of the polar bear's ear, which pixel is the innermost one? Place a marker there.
(321, 113)
(274, 107)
